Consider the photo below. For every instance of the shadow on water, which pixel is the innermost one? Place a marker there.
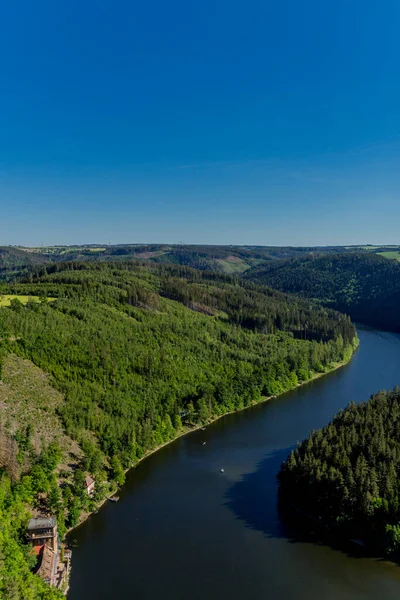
(254, 501)
(254, 498)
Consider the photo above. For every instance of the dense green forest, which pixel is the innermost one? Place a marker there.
(139, 354)
(134, 348)
(359, 281)
(363, 285)
(346, 475)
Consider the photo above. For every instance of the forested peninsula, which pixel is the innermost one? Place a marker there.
(344, 478)
(101, 363)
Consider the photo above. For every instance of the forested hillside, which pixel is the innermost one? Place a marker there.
(138, 355)
(133, 348)
(36, 457)
(345, 476)
(365, 286)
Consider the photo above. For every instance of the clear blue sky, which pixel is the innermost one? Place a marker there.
(257, 122)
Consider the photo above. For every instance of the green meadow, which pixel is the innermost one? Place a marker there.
(5, 299)
(395, 254)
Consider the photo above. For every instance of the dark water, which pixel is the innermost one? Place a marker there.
(183, 530)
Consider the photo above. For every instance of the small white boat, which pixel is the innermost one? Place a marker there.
(204, 443)
(222, 471)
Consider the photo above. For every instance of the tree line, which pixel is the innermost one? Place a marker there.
(345, 476)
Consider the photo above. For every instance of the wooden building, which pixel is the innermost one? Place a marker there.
(43, 531)
(43, 535)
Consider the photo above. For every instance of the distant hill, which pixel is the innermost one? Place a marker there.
(302, 270)
(364, 285)
(15, 260)
(231, 260)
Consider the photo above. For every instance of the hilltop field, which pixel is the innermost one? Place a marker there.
(391, 254)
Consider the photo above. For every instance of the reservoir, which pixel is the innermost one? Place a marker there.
(185, 530)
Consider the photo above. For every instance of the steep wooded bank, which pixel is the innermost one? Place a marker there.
(345, 477)
(17, 497)
(138, 355)
(364, 286)
(35, 472)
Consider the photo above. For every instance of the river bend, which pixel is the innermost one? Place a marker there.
(183, 530)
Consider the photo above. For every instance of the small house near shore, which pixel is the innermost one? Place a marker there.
(89, 485)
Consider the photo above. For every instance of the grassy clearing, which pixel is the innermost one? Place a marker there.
(5, 299)
(232, 267)
(27, 398)
(394, 255)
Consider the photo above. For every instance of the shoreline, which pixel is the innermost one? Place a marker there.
(189, 430)
(263, 400)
